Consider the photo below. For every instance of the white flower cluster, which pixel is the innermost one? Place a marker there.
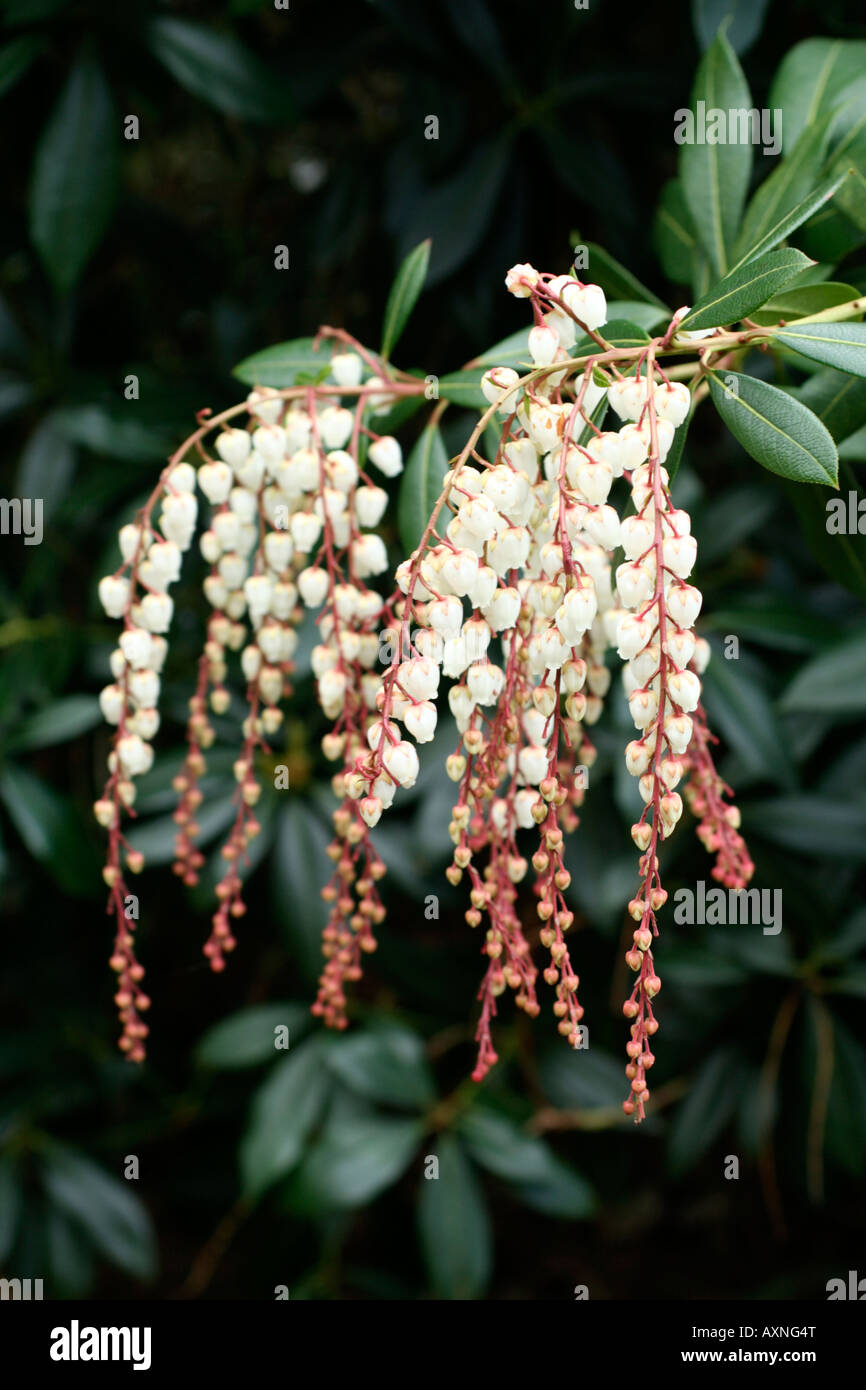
(154, 560)
(527, 558)
(288, 505)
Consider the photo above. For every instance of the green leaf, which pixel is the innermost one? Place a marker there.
(834, 683)
(114, 1218)
(854, 448)
(219, 70)
(301, 868)
(645, 316)
(809, 80)
(590, 1079)
(59, 722)
(839, 400)
(357, 1156)
(810, 824)
(15, 59)
(802, 301)
(618, 332)
(740, 709)
(675, 454)
(455, 214)
(731, 518)
(247, 1038)
(512, 351)
(744, 19)
(537, 1175)
(284, 1112)
(454, 1226)
(113, 433)
(715, 177)
(70, 1259)
(15, 393)
(75, 175)
(709, 1104)
(793, 179)
(674, 236)
(280, 365)
(789, 221)
(740, 291)
(47, 467)
(386, 1063)
(616, 281)
(776, 430)
(463, 388)
(155, 838)
(408, 284)
(839, 345)
(50, 828)
(421, 486)
(768, 619)
(841, 556)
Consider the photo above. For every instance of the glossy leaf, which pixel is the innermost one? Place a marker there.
(616, 281)
(674, 235)
(834, 683)
(46, 468)
(248, 1038)
(809, 80)
(743, 20)
(300, 868)
(218, 69)
(735, 296)
(464, 388)
(537, 1175)
(792, 180)
(57, 723)
(15, 59)
(454, 1226)
(802, 301)
(408, 284)
(280, 365)
(778, 431)
(742, 713)
(706, 1109)
(839, 345)
(109, 1210)
(284, 1111)
(839, 400)
(385, 1063)
(75, 175)
(357, 1156)
(421, 486)
(715, 177)
(810, 824)
(50, 828)
(789, 221)
(456, 213)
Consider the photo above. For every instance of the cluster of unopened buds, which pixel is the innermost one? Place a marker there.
(513, 598)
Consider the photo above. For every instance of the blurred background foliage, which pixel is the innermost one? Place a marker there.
(154, 257)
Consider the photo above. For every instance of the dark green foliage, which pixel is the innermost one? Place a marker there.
(134, 276)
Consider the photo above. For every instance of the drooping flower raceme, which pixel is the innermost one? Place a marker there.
(554, 550)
